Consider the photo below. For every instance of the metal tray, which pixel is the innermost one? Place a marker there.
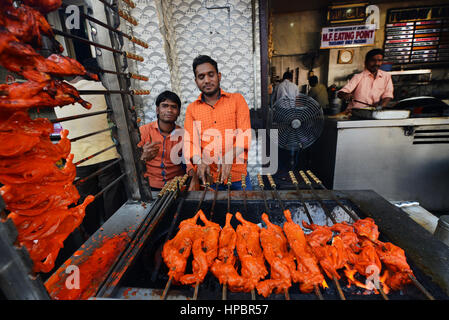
(372, 113)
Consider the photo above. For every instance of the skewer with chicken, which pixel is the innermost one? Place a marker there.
(204, 249)
(249, 252)
(281, 260)
(224, 265)
(177, 250)
(308, 271)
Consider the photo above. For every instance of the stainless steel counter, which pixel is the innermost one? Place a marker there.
(401, 160)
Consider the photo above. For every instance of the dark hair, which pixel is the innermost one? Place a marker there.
(203, 59)
(287, 75)
(313, 80)
(168, 95)
(372, 53)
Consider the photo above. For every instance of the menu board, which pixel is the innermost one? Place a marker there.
(417, 35)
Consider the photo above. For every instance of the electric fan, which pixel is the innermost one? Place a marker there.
(299, 122)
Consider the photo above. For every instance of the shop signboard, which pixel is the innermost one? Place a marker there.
(348, 36)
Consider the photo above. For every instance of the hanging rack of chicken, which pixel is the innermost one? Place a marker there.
(39, 194)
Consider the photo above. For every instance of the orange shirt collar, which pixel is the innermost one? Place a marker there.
(222, 93)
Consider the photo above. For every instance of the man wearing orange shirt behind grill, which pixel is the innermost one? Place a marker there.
(217, 132)
(159, 140)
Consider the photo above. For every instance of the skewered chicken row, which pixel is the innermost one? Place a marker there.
(36, 191)
(177, 250)
(308, 271)
(25, 23)
(43, 6)
(30, 94)
(275, 250)
(23, 59)
(204, 249)
(224, 265)
(250, 253)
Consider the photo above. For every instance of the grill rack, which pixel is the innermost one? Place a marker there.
(141, 288)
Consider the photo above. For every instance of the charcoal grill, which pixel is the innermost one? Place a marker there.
(141, 280)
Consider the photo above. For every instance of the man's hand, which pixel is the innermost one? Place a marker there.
(203, 171)
(194, 183)
(150, 150)
(224, 171)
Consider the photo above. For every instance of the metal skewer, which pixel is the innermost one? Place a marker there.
(195, 294)
(295, 182)
(244, 193)
(330, 216)
(325, 209)
(224, 291)
(275, 192)
(301, 199)
(276, 195)
(353, 216)
(421, 287)
(261, 185)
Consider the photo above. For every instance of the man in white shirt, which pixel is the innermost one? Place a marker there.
(286, 88)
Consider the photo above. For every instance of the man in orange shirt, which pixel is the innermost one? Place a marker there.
(161, 141)
(217, 132)
(372, 86)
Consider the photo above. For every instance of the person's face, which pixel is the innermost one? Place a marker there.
(374, 63)
(168, 111)
(207, 79)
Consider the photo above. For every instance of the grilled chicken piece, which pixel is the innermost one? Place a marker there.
(177, 250)
(367, 228)
(39, 94)
(349, 238)
(327, 255)
(398, 270)
(275, 250)
(249, 252)
(43, 6)
(45, 251)
(224, 266)
(366, 258)
(24, 60)
(205, 248)
(308, 271)
(25, 23)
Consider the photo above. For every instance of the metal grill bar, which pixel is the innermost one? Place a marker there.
(79, 116)
(109, 186)
(96, 173)
(94, 155)
(91, 134)
(68, 35)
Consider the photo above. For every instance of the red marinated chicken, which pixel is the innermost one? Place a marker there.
(204, 249)
(177, 250)
(249, 252)
(367, 228)
(308, 271)
(275, 250)
(224, 266)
